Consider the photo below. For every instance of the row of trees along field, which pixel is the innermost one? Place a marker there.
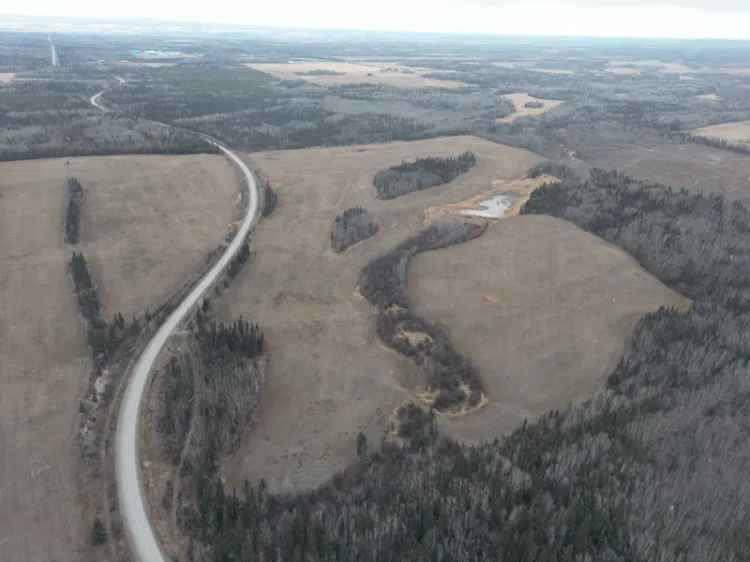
(652, 468)
(423, 173)
(103, 337)
(72, 212)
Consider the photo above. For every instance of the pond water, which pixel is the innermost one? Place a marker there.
(492, 208)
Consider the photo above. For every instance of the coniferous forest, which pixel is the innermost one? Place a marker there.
(72, 213)
(421, 174)
(350, 227)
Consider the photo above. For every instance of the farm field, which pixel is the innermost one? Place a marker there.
(736, 133)
(150, 221)
(687, 165)
(147, 223)
(336, 73)
(329, 375)
(520, 100)
(544, 309)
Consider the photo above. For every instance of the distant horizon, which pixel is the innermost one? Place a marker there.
(588, 19)
(156, 22)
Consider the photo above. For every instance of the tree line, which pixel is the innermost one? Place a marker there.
(72, 210)
(453, 378)
(103, 337)
(350, 227)
(423, 173)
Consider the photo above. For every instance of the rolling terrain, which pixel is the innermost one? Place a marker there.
(330, 376)
(544, 309)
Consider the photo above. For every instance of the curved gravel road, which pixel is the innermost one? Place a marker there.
(143, 543)
(95, 101)
(130, 492)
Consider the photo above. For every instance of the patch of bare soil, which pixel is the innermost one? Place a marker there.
(544, 309)
(517, 192)
(147, 222)
(329, 375)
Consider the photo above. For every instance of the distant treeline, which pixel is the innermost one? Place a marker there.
(97, 135)
(350, 227)
(421, 174)
(72, 210)
(453, 378)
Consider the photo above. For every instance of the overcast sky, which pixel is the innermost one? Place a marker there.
(728, 19)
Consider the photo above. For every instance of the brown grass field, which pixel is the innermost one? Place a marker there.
(520, 99)
(6, 77)
(330, 377)
(737, 133)
(680, 165)
(544, 309)
(148, 221)
(372, 72)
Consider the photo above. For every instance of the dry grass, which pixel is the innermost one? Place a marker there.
(387, 73)
(691, 165)
(148, 221)
(520, 100)
(6, 77)
(330, 377)
(543, 307)
(737, 133)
